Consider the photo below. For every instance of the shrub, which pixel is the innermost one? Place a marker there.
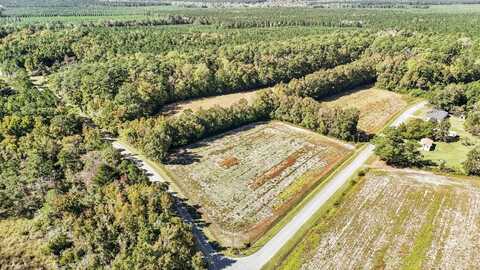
(472, 164)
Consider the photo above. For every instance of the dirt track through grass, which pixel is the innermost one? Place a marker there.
(397, 220)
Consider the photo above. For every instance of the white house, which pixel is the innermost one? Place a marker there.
(427, 144)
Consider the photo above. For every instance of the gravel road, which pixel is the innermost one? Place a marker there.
(262, 256)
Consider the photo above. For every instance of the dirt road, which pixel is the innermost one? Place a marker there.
(261, 257)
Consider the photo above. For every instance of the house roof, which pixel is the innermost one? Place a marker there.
(438, 115)
(426, 141)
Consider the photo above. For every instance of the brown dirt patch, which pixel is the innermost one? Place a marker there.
(224, 101)
(247, 178)
(376, 106)
(229, 162)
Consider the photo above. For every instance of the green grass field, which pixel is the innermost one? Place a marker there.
(454, 153)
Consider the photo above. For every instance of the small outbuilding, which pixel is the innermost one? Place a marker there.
(427, 144)
(453, 134)
(436, 115)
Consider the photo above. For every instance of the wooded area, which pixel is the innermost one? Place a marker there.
(104, 78)
(56, 168)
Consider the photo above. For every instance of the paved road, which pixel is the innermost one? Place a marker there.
(261, 257)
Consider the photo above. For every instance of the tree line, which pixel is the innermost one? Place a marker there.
(462, 100)
(90, 207)
(328, 82)
(125, 88)
(155, 136)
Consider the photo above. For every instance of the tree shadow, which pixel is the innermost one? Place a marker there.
(183, 156)
(363, 136)
(452, 139)
(426, 163)
(194, 212)
(348, 92)
(213, 137)
(169, 110)
(212, 249)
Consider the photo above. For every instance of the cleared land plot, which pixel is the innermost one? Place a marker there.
(245, 179)
(376, 106)
(209, 102)
(397, 220)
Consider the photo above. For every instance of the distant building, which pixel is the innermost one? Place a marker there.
(426, 144)
(453, 134)
(436, 115)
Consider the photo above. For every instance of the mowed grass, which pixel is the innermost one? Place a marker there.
(246, 179)
(454, 153)
(376, 106)
(396, 220)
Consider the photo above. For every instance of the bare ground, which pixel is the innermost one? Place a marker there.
(376, 106)
(245, 179)
(208, 102)
(397, 220)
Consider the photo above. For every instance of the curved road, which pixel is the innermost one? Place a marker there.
(262, 256)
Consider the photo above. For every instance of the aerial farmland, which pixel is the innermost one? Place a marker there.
(239, 134)
(245, 179)
(376, 106)
(397, 219)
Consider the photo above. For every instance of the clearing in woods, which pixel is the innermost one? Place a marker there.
(247, 178)
(397, 219)
(208, 102)
(376, 106)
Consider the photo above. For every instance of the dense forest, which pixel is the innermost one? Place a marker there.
(437, 19)
(138, 85)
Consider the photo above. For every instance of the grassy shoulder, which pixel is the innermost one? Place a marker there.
(289, 257)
